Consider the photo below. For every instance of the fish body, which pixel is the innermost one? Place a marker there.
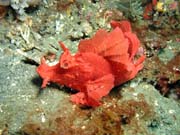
(101, 62)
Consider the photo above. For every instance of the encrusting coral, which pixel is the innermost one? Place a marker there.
(102, 62)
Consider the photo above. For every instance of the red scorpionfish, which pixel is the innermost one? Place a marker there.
(102, 62)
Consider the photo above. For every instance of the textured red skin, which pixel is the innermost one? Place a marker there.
(119, 48)
(88, 73)
(102, 62)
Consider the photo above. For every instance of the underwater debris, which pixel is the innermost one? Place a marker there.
(168, 84)
(83, 71)
(25, 34)
(113, 14)
(107, 119)
(3, 11)
(163, 14)
(19, 6)
(163, 69)
(63, 5)
(148, 10)
(113, 118)
(4, 2)
(132, 9)
(21, 36)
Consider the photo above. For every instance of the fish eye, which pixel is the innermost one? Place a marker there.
(65, 64)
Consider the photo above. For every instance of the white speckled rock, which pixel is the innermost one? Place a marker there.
(20, 5)
(33, 2)
(29, 2)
